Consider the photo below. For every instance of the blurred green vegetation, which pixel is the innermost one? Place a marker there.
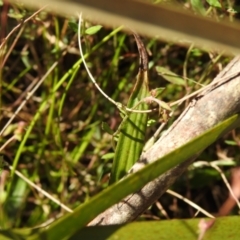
(59, 142)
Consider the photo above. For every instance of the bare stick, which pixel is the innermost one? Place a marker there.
(46, 194)
(194, 205)
(214, 165)
(12, 46)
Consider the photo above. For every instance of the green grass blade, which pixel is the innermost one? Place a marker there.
(132, 132)
(133, 127)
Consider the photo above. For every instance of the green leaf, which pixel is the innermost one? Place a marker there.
(73, 26)
(165, 105)
(108, 156)
(198, 6)
(230, 142)
(157, 92)
(69, 224)
(214, 3)
(15, 15)
(187, 229)
(151, 122)
(92, 30)
(170, 76)
(106, 128)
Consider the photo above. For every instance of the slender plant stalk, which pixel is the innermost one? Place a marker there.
(133, 128)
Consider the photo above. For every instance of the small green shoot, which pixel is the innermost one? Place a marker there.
(170, 76)
(92, 30)
(73, 26)
(108, 156)
(214, 3)
(106, 128)
(157, 92)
